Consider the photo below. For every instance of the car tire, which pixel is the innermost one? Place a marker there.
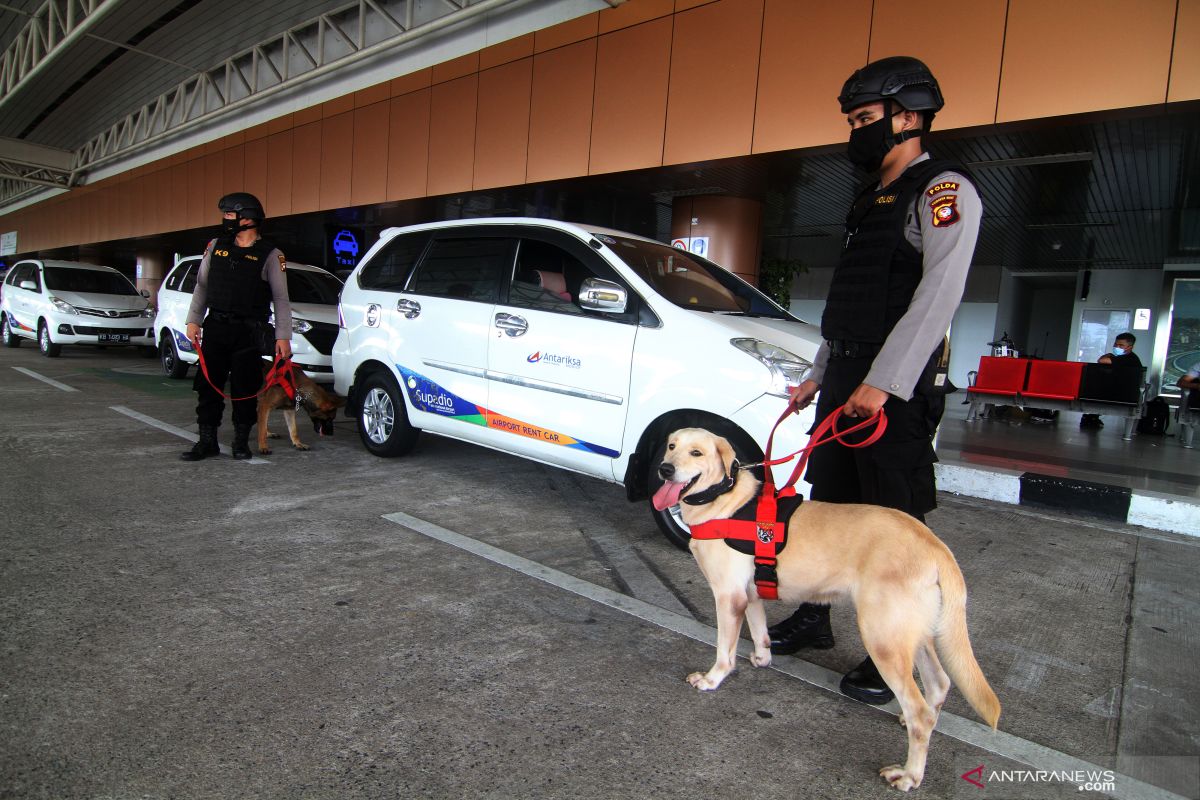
(45, 344)
(382, 418)
(668, 520)
(173, 366)
(10, 338)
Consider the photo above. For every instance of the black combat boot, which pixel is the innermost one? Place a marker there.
(808, 627)
(865, 683)
(241, 441)
(207, 446)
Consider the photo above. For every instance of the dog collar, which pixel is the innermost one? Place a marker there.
(716, 490)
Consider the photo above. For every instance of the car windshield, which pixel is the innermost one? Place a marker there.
(313, 287)
(692, 282)
(93, 281)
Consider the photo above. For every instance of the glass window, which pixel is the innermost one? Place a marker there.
(1183, 345)
(305, 286)
(389, 268)
(548, 277)
(172, 281)
(468, 268)
(67, 279)
(692, 282)
(27, 272)
(188, 284)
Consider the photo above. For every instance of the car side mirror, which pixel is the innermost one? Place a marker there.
(600, 295)
(29, 286)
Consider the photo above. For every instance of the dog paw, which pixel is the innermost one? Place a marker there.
(272, 435)
(301, 446)
(903, 721)
(701, 681)
(266, 451)
(763, 660)
(899, 778)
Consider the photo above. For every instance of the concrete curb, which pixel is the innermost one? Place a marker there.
(1145, 508)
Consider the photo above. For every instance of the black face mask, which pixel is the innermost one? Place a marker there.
(233, 227)
(870, 143)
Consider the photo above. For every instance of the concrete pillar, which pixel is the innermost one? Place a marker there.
(733, 226)
(152, 266)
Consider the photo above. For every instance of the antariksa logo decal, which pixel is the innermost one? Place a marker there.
(428, 396)
(570, 362)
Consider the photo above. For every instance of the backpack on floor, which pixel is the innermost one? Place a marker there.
(1155, 418)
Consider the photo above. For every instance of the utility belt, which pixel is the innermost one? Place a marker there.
(842, 348)
(226, 316)
(262, 332)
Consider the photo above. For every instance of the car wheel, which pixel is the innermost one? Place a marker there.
(382, 418)
(172, 364)
(10, 338)
(669, 522)
(49, 348)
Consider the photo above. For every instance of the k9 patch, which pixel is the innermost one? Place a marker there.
(945, 210)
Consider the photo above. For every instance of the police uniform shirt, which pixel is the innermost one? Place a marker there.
(943, 226)
(273, 274)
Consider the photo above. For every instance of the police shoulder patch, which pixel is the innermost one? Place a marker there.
(944, 210)
(282, 263)
(942, 186)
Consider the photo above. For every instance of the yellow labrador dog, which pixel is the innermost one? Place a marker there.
(904, 582)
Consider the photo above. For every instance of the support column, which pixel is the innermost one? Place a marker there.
(152, 267)
(733, 226)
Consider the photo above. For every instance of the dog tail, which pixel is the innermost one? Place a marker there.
(954, 645)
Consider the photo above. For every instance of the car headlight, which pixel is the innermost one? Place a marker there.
(148, 312)
(787, 369)
(63, 306)
(301, 326)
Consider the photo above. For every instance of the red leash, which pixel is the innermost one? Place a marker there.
(824, 433)
(280, 374)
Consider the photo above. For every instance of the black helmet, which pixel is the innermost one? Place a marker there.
(244, 204)
(901, 79)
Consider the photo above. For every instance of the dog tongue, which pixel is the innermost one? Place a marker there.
(668, 495)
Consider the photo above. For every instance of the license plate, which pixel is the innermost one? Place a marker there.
(114, 337)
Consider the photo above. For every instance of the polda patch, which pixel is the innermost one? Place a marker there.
(942, 186)
(282, 263)
(945, 210)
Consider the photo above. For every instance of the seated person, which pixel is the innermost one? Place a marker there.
(1128, 368)
(1191, 382)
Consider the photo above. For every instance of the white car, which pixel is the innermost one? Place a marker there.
(572, 345)
(66, 303)
(313, 293)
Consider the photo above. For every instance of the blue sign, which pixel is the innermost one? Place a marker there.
(345, 248)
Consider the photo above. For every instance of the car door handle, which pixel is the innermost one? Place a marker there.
(511, 324)
(409, 308)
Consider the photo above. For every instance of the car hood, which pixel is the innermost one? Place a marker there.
(116, 302)
(315, 312)
(801, 338)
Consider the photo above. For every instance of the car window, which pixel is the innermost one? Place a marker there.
(390, 267)
(548, 277)
(469, 268)
(66, 279)
(28, 272)
(313, 287)
(188, 284)
(172, 281)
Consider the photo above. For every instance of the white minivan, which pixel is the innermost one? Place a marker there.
(572, 345)
(61, 303)
(313, 293)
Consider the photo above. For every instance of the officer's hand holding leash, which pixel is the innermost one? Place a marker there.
(283, 349)
(802, 395)
(193, 334)
(866, 401)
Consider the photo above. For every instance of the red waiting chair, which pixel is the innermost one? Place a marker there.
(1053, 380)
(998, 379)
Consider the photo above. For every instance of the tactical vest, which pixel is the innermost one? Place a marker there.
(235, 279)
(879, 270)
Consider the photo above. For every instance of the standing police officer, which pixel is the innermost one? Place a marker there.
(909, 241)
(240, 275)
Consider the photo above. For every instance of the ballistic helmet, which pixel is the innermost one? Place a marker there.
(904, 80)
(244, 204)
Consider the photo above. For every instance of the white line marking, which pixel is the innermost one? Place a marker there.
(44, 379)
(965, 730)
(171, 429)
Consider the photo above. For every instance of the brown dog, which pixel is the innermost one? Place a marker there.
(320, 403)
(904, 582)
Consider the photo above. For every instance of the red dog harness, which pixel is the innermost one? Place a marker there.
(766, 530)
(280, 374)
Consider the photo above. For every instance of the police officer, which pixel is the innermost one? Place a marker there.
(240, 276)
(908, 244)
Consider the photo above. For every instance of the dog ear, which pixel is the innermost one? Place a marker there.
(725, 450)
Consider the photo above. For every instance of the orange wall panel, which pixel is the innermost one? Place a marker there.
(306, 168)
(633, 68)
(1185, 61)
(504, 52)
(802, 69)
(421, 79)
(368, 182)
(214, 181)
(338, 105)
(372, 95)
(1074, 56)
(560, 113)
(634, 12)
(255, 170)
(565, 33)
(233, 170)
(278, 199)
(337, 140)
(198, 203)
(176, 199)
(452, 135)
(714, 74)
(456, 68)
(408, 145)
(968, 73)
(502, 125)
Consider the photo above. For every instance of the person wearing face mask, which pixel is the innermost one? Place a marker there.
(1127, 369)
(909, 239)
(239, 278)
